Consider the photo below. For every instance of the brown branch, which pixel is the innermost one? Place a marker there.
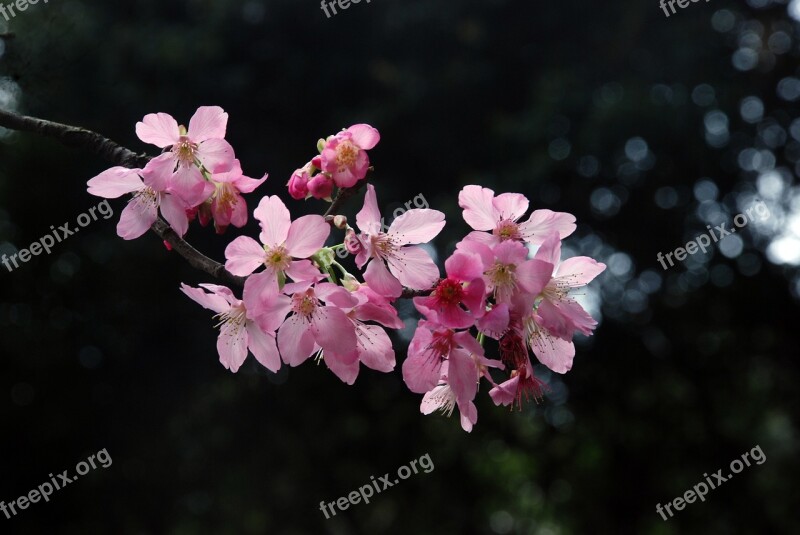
(9, 35)
(73, 136)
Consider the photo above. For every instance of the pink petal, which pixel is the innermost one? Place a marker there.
(159, 129)
(511, 252)
(345, 368)
(248, 185)
(188, 184)
(555, 353)
(474, 297)
(174, 211)
(265, 305)
(335, 295)
(469, 415)
(422, 367)
(381, 281)
(462, 375)
(375, 348)
(243, 255)
(207, 300)
(464, 266)
(239, 213)
(365, 136)
(216, 155)
(510, 206)
(495, 322)
(208, 122)
(295, 341)
(232, 345)
(158, 172)
(417, 226)
(263, 347)
(505, 393)
(413, 267)
(479, 212)
(578, 271)
(136, 217)
(543, 222)
(550, 250)
(533, 275)
(333, 330)
(307, 235)
(275, 220)
(304, 271)
(369, 218)
(115, 182)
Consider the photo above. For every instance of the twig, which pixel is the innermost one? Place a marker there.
(8, 35)
(73, 136)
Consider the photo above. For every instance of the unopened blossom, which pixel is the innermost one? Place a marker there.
(298, 182)
(344, 156)
(238, 332)
(497, 218)
(408, 264)
(151, 192)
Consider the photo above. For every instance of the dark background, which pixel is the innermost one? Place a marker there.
(647, 128)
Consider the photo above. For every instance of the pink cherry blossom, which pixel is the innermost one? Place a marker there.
(507, 269)
(226, 204)
(559, 311)
(313, 325)
(500, 216)
(458, 300)
(151, 193)
(238, 332)
(408, 264)
(203, 143)
(285, 244)
(344, 156)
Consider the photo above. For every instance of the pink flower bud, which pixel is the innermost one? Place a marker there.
(352, 243)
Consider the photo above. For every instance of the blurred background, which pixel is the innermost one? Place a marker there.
(647, 128)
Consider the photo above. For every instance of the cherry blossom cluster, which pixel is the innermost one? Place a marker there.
(505, 294)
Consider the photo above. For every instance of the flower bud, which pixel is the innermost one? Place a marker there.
(340, 222)
(352, 243)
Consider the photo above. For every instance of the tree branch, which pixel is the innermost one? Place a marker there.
(73, 136)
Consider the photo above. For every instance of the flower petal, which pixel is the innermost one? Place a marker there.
(365, 136)
(243, 255)
(419, 225)
(369, 218)
(208, 122)
(295, 341)
(207, 300)
(413, 267)
(375, 348)
(543, 222)
(333, 330)
(216, 155)
(275, 220)
(137, 217)
(159, 129)
(263, 347)
(174, 212)
(381, 281)
(232, 345)
(510, 205)
(307, 235)
(115, 182)
(479, 212)
(578, 271)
